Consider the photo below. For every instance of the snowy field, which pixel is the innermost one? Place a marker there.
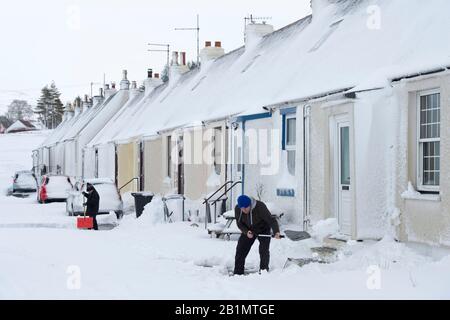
(43, 256)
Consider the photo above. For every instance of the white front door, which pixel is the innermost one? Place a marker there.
(343, 185)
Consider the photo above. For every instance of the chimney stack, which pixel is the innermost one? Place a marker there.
(86, 103)
(98, 99)
(175, 58)
(152, 82)
(110, 90)
(177, 69)
(125, 84)
(77, 110)
(254, 32)
(210, 53)
(183, 59)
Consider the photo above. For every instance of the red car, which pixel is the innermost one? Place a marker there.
(54, 189)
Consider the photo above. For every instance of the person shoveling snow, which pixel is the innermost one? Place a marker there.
(256, 222)
(92, 203)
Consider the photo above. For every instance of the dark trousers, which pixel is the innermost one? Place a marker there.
(243, 248)
(94, 216)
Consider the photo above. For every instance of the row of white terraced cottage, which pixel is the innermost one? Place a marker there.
(370, 158)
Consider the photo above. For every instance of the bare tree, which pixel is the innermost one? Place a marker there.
(19, 110)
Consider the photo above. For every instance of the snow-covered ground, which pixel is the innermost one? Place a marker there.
(44, 256)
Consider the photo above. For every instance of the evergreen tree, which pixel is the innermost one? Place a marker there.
(49, 107)
(57, 106)
(42, 106)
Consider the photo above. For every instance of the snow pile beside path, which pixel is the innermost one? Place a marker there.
(154, 212)
(325, 228)
(153, 215)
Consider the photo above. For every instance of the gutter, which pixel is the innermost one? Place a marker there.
(305, 99)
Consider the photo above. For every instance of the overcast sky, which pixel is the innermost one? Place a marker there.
(74, 42)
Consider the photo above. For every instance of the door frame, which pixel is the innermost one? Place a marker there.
(335, 124)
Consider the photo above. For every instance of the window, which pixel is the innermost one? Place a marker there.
(429, 138)
(290, 133)
(169, 156)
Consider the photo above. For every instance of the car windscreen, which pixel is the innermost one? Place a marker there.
(57, 180)
(25, 179)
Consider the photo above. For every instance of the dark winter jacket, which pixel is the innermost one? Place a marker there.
(259, 220)
(92, 202)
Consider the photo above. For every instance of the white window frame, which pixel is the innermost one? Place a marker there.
(420, 142)
(169, 170)
(218, 149)
(293, 147)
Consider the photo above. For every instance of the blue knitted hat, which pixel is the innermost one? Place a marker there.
(244, 202)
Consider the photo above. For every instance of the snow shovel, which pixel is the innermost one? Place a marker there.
(297, 235)
(291, 235)
(270, 236)
(85, 223)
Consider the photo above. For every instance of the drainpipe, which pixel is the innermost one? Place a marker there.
(243, 157)
(306, 169)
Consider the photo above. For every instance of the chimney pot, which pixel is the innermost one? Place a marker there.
(218, 44)
(133, 85)
(157, 75)
(208, 44)
(125, 74)
(183, 58)
(150, 73)
(113, 85)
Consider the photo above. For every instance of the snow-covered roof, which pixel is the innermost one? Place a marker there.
(84, 119)
(20, 125)
(341, 47)
(120, 121)
(102, 117)
(59, 132)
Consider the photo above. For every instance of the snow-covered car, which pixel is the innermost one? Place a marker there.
(54, 188)
(24, 181)
(110, 198)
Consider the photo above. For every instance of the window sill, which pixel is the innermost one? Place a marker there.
(421, 197)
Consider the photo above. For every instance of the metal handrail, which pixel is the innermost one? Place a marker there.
(126, 184)
(226, 192)
(208, 208)
(211, 196)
